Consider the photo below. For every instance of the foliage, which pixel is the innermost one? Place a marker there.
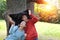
(2, 7)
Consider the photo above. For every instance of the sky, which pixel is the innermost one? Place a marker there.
(54, 2)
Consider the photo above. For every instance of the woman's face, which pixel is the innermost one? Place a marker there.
(24, 17)
(23, 24)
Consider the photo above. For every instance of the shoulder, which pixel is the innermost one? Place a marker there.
(15, 27)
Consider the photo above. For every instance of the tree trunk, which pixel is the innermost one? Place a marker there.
(17, 6)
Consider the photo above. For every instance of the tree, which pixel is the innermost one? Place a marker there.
(16, 6)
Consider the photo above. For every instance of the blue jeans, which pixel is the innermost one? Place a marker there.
(36, 38)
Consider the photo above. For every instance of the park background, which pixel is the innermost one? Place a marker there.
(47, 30)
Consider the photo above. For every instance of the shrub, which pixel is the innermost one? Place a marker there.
(2, 8)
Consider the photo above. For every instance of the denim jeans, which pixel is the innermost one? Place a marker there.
(36, 38)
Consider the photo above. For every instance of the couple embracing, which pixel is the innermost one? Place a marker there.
(25, 30)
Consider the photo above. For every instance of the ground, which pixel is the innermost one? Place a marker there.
(46, 31)
(2, 29)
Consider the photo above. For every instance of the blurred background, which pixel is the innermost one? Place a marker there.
(49, 11)
(48, 27)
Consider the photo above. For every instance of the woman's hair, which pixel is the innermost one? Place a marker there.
(18, 16)
(19, 23)
(22, 22)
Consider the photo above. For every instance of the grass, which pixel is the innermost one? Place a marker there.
(46, 31)
(2, 29)
(2, 25)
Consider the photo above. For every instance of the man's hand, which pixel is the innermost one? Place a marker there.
(39, 18)
(29, 12)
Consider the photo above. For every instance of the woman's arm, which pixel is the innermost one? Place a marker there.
(10, 20)
(13, 28)
(7, 17)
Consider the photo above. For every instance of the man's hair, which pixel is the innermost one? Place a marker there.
(26, 12)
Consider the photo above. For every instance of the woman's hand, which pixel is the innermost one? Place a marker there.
(25, 34)
(10, 20)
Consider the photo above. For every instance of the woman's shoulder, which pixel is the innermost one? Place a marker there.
(15, 27)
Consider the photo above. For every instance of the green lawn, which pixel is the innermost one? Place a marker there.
(2, 25)
(46, 31)
(2, 29)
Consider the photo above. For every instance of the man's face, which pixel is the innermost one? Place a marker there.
(25, 18)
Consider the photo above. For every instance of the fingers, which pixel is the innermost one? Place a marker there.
(29, 12)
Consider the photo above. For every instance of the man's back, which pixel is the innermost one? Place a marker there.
(30, 30)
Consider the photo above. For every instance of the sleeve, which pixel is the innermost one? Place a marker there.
(13, 29)
(23, 38)
(34, 19)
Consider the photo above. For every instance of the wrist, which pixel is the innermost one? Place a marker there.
(29, 12)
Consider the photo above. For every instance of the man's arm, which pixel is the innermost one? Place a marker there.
(34, 18)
